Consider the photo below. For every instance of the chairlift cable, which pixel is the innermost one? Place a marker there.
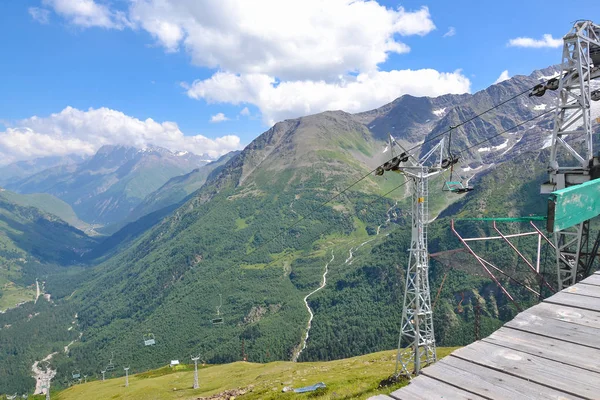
(363, 177)
(478, 115)
(302, 218)
(507, 130)
(347, 188)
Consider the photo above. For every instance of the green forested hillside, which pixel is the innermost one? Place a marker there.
(237, 245)
(177, 189)
(172, 291)
(32, 244)
(261, 231)
(49, 204)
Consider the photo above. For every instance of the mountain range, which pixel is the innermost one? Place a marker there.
(247, 238)
(105, 188)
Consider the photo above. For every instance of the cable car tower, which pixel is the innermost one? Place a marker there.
(195, 360)
(417, 314)
(126, 369)
(573, 165)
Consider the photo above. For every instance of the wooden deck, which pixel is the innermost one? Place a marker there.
(550, 351)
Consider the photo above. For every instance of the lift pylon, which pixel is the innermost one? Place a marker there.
(416, 328)
(571, 165)
(195, 360)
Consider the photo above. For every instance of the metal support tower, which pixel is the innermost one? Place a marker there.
(416, 327)
(570, 166)
(103, 372)
(195, 360)
(417, 316)
(126, 376)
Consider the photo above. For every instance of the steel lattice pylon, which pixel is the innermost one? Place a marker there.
(416, 327)
(568, 166)
(417, 316)
(196, 383)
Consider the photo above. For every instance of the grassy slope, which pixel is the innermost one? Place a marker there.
(50, 204)
(356, 378)
(14, 294)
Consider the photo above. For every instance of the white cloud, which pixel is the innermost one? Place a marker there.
(84, 132)
(546, 41)
(289, 58)
(451, 32)
(218, 117)
(88, 13)
(41, 15)
(245, 112)
(292, 39)
(280, 100)
(503, 76)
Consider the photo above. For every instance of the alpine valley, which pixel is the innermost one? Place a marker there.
(133, 242)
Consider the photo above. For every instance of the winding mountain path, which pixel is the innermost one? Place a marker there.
(349, 260)
(37, 293)
(323, 284)
(389, 217)
(40, 375)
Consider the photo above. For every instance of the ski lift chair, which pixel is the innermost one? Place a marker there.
(110, 366)
(149, 339)
(456, 187)
(218, 320)
(76, 374)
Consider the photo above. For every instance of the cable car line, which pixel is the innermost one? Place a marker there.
(507, 130)
(347, 188)
(376, 170)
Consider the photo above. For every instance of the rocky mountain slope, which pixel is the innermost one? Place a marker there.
(107, 187)
(20, 170)
(175, 190)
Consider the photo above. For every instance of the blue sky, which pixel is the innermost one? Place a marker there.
(130, 61)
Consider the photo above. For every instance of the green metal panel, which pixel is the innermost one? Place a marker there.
(573, 205)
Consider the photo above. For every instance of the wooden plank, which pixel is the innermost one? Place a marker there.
(566, 378)
(574, 300)
(567, 314)
(381, 397)
(554, 349)
(490, 383)
(557, 329)
(425, 388)
(592, 279)
(584, 290)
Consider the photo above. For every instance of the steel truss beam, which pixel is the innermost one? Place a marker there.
(488, 266)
